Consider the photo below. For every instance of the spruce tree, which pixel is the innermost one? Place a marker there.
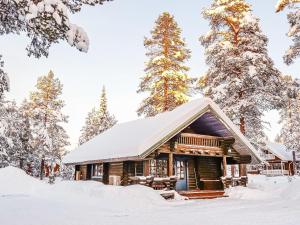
(293, 18)
(44, 109)
(97, 121)
(165, 78)
(241, 77)
(290, 115)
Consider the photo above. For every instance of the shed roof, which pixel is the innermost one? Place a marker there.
(136, 139)
(280, 151)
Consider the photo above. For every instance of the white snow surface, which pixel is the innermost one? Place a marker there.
(131, 139)
(280, 151)
(29, 201)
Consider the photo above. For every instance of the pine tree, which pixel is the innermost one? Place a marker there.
(294, 21)
(97, 121)
(290, 115)
(241, 77)
(165, 79)
(44, 109)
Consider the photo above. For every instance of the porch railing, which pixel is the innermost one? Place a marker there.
(275, 172)
(199, 140)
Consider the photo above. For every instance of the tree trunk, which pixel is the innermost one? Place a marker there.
(42, 169)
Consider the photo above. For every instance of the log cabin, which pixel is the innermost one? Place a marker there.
(188, 148)
(279, 160)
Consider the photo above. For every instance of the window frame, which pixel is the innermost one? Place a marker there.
(158, 167)
(97, 170)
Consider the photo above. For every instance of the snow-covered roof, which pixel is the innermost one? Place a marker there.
(136, 139)
(280, 151)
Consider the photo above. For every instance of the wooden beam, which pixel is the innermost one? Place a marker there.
(146, 168)
(242, 170)
(170, 161)
(224, 166)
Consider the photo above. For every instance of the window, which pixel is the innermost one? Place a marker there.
(159, 167)
(97, 170)
(180, 170)
(136, 168)
(139, 168)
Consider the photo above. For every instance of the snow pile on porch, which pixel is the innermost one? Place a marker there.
(29, 201)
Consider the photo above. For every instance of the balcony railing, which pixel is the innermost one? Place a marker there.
(199, 140)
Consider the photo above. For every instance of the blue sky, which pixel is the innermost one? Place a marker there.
(116, 56)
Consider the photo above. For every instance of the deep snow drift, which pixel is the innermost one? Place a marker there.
(28, 201)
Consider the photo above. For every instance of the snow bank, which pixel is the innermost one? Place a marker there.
(91, 203)
(262, 188)
(15, 181)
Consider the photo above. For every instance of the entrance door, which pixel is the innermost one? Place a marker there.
(180, 172)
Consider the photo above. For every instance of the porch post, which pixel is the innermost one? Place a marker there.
(242, 170)
(170, 169)
(224, 166)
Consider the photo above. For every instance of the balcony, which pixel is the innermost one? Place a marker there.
(199, 144)
(199, 140)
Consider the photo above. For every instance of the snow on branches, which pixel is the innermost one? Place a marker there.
(294, 32)
(97, 121)
(166, 77)
(289, 115)
(241, 77)
(4, 82)
(45, 22)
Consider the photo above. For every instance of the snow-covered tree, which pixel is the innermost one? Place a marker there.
(290, 115)
(241, 77)
(12, 135)
(44, 109)
(166, 78)
(294, 32)
(4, 86)
(97, 121)
(44, 22)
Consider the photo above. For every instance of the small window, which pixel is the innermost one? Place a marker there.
(180, 170)
(159, 167)
(139, 168)
(97, 170)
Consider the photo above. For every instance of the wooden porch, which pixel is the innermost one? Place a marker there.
(201, 194)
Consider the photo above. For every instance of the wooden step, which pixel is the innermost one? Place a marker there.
(203, 194)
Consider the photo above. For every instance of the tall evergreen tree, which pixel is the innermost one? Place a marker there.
(97, 121)
(165, 79)
(44, 109)
(290, 115)
(241, 77)
(294, 32)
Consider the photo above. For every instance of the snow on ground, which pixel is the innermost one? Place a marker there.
(27, 201)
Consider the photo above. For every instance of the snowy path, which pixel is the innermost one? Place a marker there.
(26, 201)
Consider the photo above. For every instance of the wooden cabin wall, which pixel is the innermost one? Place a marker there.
(89, 172)
(116, 169)
(127, 171)
(209, 169)
(146, 168)
(105, 178)
(83, 171)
